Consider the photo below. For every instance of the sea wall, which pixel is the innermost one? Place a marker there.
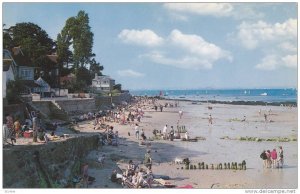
(107, 100)
(83, 105)
(47, 165)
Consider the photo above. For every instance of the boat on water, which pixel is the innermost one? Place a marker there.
(264, 94)
(181, 96)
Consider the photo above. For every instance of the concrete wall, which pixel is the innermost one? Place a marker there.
(43, 106)
(84, 105)
(106, 100)
(54, 162)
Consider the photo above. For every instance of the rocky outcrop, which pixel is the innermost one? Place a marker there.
(49, 165)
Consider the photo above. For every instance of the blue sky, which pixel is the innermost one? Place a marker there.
(182, 46)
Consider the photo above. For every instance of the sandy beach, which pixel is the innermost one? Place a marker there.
(213, 150)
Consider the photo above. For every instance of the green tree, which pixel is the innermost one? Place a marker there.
(13, 90)
(95, 68)
(34, 42)
(7, 38)
(77, 36)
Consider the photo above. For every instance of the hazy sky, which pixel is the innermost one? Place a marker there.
(182, 45)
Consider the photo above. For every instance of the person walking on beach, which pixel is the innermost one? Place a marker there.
(137, 131)
(280, 159)
(266, 117)
(210, 120)
(165, 131)
(180, 114)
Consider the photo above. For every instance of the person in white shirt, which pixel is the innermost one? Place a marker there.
(165, 131)
(137, 131)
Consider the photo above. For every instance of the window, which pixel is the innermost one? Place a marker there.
(26, 74)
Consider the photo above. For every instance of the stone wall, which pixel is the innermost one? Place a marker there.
(106, 100)
(84, 105)
(48, 165)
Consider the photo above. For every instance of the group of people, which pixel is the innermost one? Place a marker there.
(272, 159)
(138, 176)
(15, 129)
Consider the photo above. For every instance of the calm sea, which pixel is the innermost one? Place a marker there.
(264, 95)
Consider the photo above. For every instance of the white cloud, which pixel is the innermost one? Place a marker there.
(185, 62)
(188, 51)
(278, 40)
(144, 37)
(130, 73)
(213, 9)
(290, 61)
(271, 62)
(195, 44)
(251, 35)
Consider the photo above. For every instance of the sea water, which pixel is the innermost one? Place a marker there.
(263, 95)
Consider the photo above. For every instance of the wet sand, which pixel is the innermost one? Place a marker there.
(226, 122)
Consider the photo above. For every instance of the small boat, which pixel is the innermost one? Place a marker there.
(181, 96)
(264, 94)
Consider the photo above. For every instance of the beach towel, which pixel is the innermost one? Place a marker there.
(186, 186)
(165, 183)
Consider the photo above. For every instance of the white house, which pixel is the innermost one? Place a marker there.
(103, 83)
(8, 70)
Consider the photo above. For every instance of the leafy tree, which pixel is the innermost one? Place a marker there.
(33, 40)
(7, 38)
(77, 34)
(13, 90)
(95, 68)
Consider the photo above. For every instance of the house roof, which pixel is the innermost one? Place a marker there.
(103, 77)
(53, 57)
(17, 50)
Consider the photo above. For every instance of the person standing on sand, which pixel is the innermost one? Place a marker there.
(210, 120)
(36, 124)
(274, 158)
(165, 131)
(269, 161)
(137, 131)
(280, 159)
(10, 127)
(148, 160)
(161, 108)
(85, 174)
(264, 157)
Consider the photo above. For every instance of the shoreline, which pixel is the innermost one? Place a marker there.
(237, 102)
